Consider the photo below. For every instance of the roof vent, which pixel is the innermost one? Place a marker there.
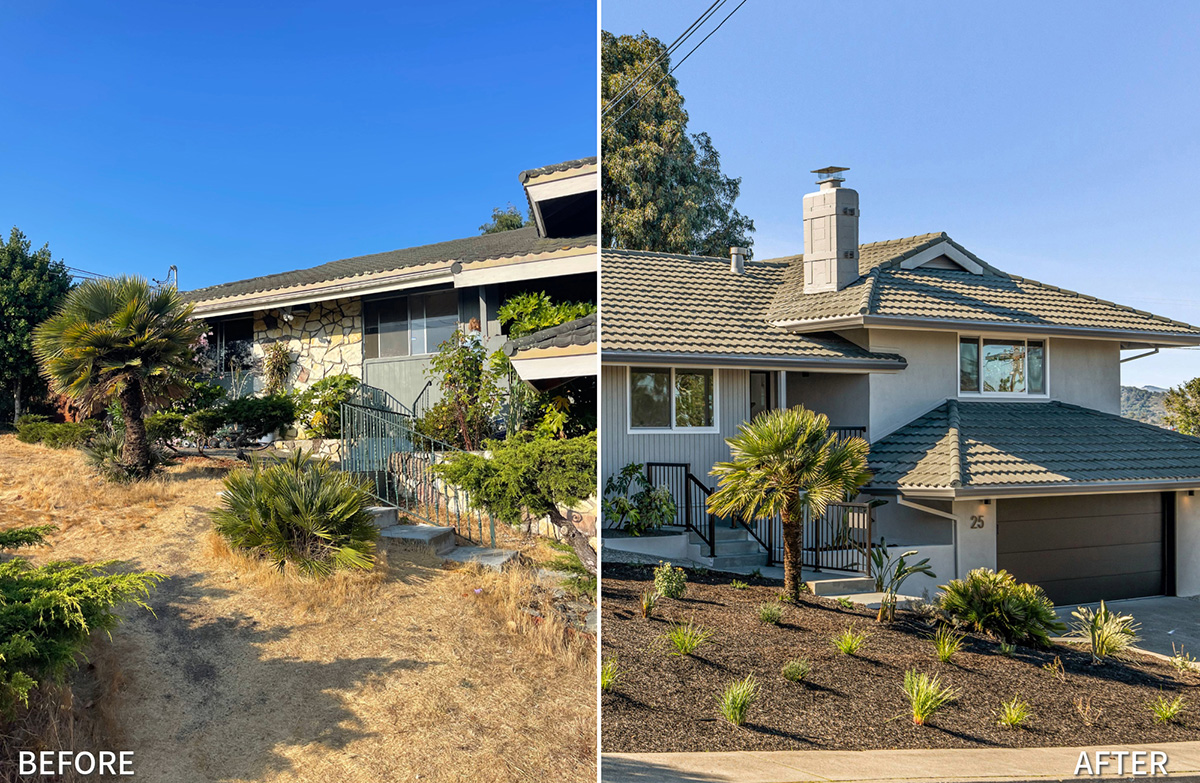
(830, 233)
(737, 260)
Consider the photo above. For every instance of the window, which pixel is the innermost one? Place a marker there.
(409, 325)
(762, 392)
(235, 341)
(1001, 366)
(666, 398)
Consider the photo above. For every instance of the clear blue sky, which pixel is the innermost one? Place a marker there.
(238, 139)
(1057, 140)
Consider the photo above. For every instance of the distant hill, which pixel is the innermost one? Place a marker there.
(1143, 404)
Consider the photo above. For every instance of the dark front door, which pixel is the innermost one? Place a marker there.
(1084, 548)
(764, 391)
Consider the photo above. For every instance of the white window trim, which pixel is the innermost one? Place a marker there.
(673, 429)
(985, 395)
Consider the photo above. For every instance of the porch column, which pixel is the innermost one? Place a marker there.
(974, 535)
(1187, 544)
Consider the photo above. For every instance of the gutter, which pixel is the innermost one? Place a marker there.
(823, 364)
(1037, 490)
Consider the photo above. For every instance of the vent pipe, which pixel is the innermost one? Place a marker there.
(737, 260)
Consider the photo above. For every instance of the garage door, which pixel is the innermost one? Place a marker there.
(1085, 548)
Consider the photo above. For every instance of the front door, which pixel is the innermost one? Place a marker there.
(764, 391)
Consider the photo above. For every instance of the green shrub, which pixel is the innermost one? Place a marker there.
(259, 416)
(670, 581)
(649, 601)
(844, 602)
(1167, 710)
(33, 428)
(164, 426)
(204, 424)
(105, 453)
(647, 508)
(579, 580)
(770, 614)
(1014, 713)
(610, 674)
(319, 407)
(1007, 649)
(738, 584)
(687, 637)
(48, 613)
(298, 511)
(946, 643)
(994, 603)
(850, 641)
(737, 698)
(199, 395)
(796, 670)
(926, 695)
(1110, 633)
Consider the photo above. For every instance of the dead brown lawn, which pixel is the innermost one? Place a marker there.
(244, 674)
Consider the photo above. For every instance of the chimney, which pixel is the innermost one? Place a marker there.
(830, 233)
(737, 260)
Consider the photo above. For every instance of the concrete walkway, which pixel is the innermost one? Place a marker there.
(891, 766)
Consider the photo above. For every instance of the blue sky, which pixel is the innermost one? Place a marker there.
(1058, 141)
(238, 139)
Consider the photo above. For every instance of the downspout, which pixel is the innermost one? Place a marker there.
(1139, 356)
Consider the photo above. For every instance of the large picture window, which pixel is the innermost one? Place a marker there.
(669, 398)
(988, 365)
(410, 325)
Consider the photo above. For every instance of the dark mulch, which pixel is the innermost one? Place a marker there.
(666, 703)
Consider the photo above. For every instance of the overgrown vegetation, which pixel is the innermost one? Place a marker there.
(33, 428)
(106, 453)
(994, 603)
(299, 512)
(466, 414)
(648, 508)
(319, 407)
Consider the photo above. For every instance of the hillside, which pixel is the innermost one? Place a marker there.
(1143, 405)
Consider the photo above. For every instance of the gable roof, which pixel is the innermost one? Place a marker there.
(963, 448)
(515, 243)
(664, 306)
(887, 292)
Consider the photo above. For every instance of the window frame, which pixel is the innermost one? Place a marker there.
(408, 297)
(673, 429)
(979, 337)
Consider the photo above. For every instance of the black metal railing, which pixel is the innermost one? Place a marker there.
(691, 499)
(850, 432)
(421, 403)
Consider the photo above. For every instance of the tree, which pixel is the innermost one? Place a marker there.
(786, 462)
(661, 188)
(119, 338)
(31, 286)
(465, 414)
(505, 220)
(1183, 407)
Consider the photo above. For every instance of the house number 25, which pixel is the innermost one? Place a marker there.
(976, 522)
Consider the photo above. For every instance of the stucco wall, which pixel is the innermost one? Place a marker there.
(844, 398)
(904, 526)
(975, 530)
(1187, 544)
(1087, 373)
(327, 341)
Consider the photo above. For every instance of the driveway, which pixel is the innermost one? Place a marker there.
(1165, 620)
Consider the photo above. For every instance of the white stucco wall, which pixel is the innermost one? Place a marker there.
(975, 531)
(1087, 373)
(843, 397)
(1187, 544)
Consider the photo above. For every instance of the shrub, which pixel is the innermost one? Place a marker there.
(844, 602)
(258, 416)
(579, 580)
(198, 396)
(610, 673)
(277, 366)
(1167, 710)
(796, 670)
(850, 641)
(48, 613)
(649, 601)
(687, 637)
(319, 407)
(1014, 713)
(33, 428)
(770, 614)
(946, 643)
(890, 576)
(1007, 649)
(926, 695)
(298, 511)
(994, 603)
(1110, 633)
(204, 424)
(735, 702)
(105, 453)
(164, 427)
(738, 584)
(670, 581)
(648, 508)
(470, 398)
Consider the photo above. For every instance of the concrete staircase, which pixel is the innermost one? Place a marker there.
(440, 539)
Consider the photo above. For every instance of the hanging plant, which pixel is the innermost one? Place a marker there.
(277, 365)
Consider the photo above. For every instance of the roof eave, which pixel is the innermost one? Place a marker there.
(991, 491)
(751, 361)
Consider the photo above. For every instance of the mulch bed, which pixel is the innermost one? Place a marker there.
(668, 703)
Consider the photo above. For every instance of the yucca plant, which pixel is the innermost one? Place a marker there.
(994, 603)
(1014, 713)
(1167, 710)
(946, 643)
(687, 637)
(610, 673)
(299, 511)
(788, 463)
(122, 338)
(926, 694)
(1110, 633)
(737, 698)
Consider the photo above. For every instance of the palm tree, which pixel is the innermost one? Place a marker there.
(787, 462)
(119, 337)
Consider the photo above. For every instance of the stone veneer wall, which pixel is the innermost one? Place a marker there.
(328, 341)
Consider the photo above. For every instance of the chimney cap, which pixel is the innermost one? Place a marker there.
(830, 174)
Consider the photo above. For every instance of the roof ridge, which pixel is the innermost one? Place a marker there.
(954, 421)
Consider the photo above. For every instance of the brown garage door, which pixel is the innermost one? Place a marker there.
(1084, 548)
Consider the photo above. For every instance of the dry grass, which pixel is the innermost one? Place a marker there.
(249, 674)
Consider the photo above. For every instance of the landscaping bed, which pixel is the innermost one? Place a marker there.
(668, 703)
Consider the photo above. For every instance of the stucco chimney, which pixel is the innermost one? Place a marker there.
(737, 260)
(830, 233)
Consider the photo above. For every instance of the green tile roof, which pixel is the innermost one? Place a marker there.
(971, 445)
(656, 303)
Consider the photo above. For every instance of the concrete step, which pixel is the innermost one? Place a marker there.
(495, 559)
(734, 561)
(834, 586)
(724, 533)
(440, 539)
(384, 516)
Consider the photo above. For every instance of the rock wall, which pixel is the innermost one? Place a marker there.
(326, 341)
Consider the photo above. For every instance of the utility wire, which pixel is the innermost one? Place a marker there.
(704, 17)
(681, 62)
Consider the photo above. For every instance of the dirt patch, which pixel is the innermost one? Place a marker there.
(665, 703)
(242, 674)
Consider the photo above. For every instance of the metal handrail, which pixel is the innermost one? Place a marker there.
(367, 396)
(417, 409)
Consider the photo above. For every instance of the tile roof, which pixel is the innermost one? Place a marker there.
(667, 303)
(886, 289)
(529, 174)
(518, 242)
(969, 444)
(581, 331)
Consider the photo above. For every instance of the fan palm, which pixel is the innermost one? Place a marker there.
(787, 462)
(119, 337)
